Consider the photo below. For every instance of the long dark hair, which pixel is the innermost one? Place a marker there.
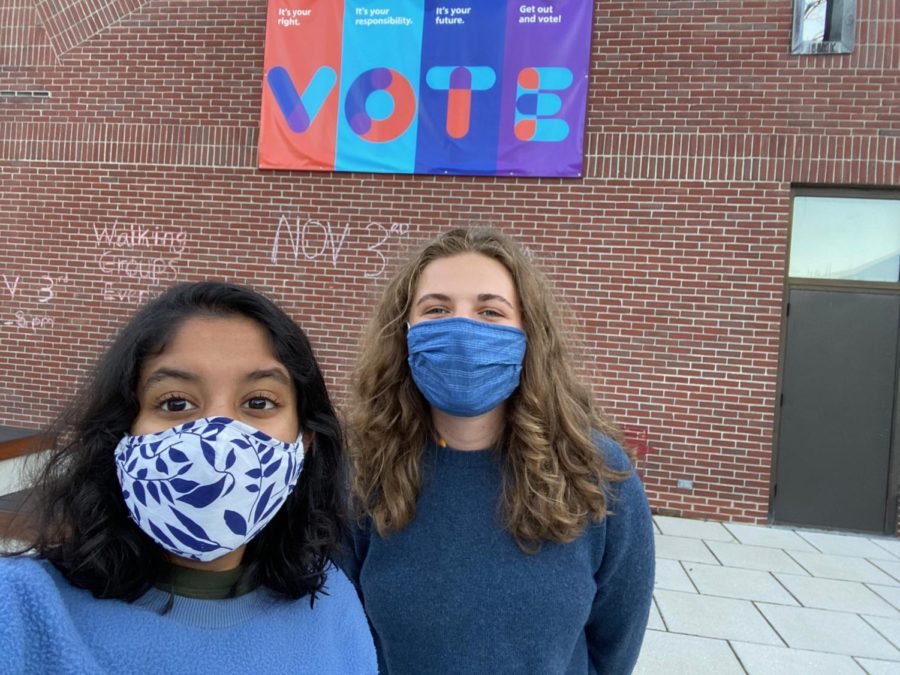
(83, 527)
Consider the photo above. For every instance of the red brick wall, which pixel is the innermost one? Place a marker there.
(669, 254)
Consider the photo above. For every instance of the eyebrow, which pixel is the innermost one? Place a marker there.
(482, 297)
(432, 296)
(165, 374)
(276, 374)
(485, 297)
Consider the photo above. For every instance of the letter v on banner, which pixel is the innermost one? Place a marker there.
(300, 110)
(300, 97)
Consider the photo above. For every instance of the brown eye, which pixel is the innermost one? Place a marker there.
(176, 405)
(260, 403)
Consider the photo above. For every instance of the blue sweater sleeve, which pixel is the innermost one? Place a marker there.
(619, 614)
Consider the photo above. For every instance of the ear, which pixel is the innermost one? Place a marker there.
(309, 438)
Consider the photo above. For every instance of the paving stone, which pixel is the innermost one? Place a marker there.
(707, 616)
(889, 544)
(683, 548)
(889, 593)
(874, 667)
(822, 630)
(842, 596)
(855, 545)
(733, 582)
(889, 628)
(695, 529)
(718, 610)
(773, 537)
(845, 568)
(671, 576)
(768, 660)
(755, 557)
(889, 566)
(655, 622)
(672, 654)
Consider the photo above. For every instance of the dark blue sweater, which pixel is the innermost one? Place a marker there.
(453, 593)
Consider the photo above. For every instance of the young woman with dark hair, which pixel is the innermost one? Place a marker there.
(503, 529)
(187, 517)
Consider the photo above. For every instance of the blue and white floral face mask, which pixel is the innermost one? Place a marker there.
(205, 488)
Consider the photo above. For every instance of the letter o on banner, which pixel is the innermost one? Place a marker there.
(396, 121)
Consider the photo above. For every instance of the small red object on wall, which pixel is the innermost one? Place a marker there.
(637, 445)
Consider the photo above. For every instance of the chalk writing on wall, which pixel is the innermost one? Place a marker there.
(40, 288)
(29, 288)
(298, 239)
(137, 253)
(28, 321)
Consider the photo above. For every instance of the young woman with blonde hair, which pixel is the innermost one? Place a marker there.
(502, 529)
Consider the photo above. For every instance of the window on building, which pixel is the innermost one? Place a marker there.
(853, 238)
(824, 26)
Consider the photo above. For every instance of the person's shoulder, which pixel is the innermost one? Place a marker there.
(334, 629)
(25, 580)
(32, 614)
(26, 572)
(341, 616)
(339, 599)
(339, 588)
(614, 455)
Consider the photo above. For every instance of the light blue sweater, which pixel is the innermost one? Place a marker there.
(453, 593)
(49, 627)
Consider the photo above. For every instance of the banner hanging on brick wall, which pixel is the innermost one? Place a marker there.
(417, 86)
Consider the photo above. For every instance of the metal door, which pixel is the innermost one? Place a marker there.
(837, 406)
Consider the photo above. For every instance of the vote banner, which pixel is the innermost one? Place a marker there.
(420, 86)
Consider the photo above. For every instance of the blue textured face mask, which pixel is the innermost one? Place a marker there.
(465, 367)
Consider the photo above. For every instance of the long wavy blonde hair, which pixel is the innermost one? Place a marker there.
(554, 476)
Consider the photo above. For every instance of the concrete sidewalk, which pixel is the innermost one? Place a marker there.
(734, 598)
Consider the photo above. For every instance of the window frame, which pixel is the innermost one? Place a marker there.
(846, 193)
(844, 29)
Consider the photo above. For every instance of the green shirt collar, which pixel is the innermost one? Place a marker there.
(206, 585)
